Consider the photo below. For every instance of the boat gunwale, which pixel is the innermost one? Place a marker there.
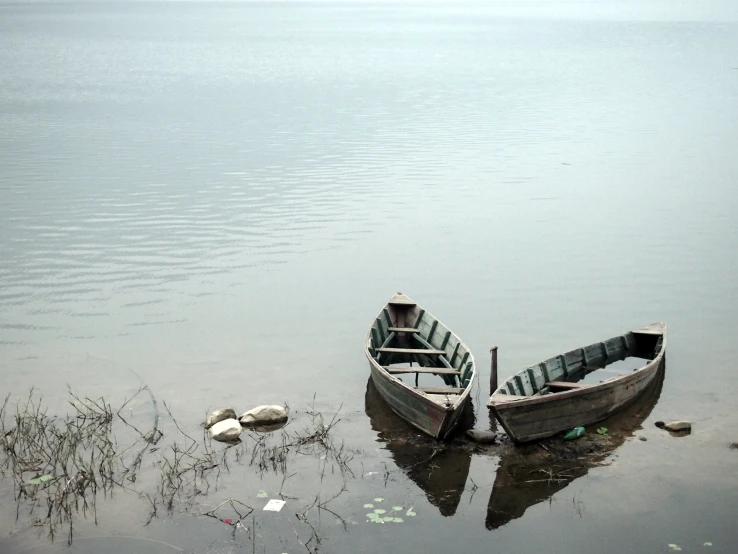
(419, 394)
(511, 401)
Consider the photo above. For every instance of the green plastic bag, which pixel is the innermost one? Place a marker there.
(574, 433)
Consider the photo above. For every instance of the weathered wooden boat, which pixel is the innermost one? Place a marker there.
(549, 398)
(528, 475)
(405, 339)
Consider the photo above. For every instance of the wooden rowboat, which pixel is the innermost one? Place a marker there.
(404, 340)
(528, 475)
(550, 397)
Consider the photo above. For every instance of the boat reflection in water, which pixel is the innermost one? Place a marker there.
(530, 474)
(443, 478)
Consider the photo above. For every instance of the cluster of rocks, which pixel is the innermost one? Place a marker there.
(225, 426)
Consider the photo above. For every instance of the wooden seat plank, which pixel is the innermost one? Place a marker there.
(427, 351)
(403, 330)
(440, 390)
(419, 369)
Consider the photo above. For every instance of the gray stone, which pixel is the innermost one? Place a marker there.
(678, 426)
(644, 439)
(227, 430)
(219, 415)
(264, 416)
(480, 436)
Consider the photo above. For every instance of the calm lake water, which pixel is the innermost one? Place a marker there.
(215, 199)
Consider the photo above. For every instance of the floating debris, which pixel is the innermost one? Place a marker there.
(274, 505)
(574, 433)
(40, 480)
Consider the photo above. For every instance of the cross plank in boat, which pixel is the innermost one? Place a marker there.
(418, 369)
(427, 351)
(401, 301)
(403, 330)
(566, 385)
(440, 390)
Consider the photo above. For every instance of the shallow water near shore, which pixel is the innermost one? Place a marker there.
(214, 200)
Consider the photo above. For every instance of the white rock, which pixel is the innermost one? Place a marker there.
(264, 415)
(227, 430)
(219, 415)
(482, 437)
(678, 426)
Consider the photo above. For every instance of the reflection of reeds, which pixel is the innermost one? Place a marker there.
(59, 465)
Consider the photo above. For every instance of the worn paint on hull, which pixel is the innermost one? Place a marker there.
(535, 416)
(411, 404)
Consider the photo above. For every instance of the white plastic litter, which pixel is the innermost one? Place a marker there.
(274, 505)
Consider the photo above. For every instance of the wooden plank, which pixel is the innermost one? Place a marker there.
(432, 330)
(420, 316)
(519, 383)
(382, 334)
(466, 373)
(418, 369)
(567, 385)
(532, 378)
(562, 360)
(453, 356)
(463, 360)
(429, 346)
(400, 301)
(387, 317)
(402, 330)
(375, 337)
(426, 351)
(544, 370)
(440, 390)
(445, 340)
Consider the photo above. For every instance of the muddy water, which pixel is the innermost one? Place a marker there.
(215, 201)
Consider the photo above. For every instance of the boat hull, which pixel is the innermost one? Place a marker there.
(404, 332)
(424, 414)
(528, 418)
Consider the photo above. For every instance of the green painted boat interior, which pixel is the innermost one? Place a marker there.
(409, 343)
(570, 370)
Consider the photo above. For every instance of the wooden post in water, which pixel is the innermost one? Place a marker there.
(493, 385)
(493, 371)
